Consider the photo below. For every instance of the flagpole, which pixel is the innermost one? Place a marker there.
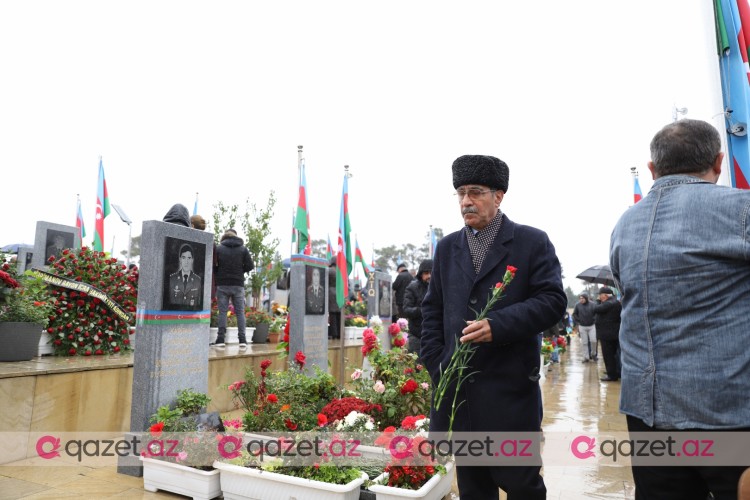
(432, 250)
(300, 159)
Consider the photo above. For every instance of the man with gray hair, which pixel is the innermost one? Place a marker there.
(681, 257)
(502, 393)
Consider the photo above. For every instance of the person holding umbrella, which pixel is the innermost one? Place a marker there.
(607, 311)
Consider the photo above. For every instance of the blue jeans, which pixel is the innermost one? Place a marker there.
(237, 294)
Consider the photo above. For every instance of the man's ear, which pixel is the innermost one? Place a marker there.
(652, 168)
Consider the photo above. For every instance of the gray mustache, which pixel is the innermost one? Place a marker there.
(468, 210)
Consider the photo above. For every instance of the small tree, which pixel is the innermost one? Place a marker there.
(256, 226)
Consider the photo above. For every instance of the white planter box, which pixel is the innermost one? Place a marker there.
(436, 488)
(175, 478)
(243, 483)
(44, 347)
(232, 336)
(353, 332)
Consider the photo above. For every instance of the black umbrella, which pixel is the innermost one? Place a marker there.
(598, 274)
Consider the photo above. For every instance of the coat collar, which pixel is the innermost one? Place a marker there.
(496, 253)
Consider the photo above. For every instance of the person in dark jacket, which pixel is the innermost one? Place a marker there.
(178, 214)
(583, 318)
(399, 287)
(502, 393)
(607, 312)
(413, 296)
(233, 261)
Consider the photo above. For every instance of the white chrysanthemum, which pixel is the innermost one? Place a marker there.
(376, 321)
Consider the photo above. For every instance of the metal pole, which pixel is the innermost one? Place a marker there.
(130, 243)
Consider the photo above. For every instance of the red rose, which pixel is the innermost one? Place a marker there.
(58, 342)
(394, 329)
(272, 398)
(399, 341)
(322, 420)
(512, 270)
(265, 364)
(290, 425)
(72, 351)
(117, 349)
(98, 351)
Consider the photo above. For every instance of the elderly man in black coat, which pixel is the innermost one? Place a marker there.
(503, 394)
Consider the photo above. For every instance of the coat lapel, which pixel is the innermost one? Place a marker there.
(498, 251)
(464, 256)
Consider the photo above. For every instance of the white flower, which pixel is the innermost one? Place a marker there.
(425, 385)
(379, 387)
(376, 321)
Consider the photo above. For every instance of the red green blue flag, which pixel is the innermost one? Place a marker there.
(347, 229)
(329, 249)
(732, 20)
(302, 219)
(637, 194)
(359, 257)
(79, 222)
(342, 275)
(102, 209)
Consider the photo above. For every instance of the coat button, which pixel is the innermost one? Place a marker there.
(473, 300)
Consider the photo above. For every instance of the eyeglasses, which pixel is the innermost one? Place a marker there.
(472, 193)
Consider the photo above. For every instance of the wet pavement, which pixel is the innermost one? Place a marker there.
(575, 401)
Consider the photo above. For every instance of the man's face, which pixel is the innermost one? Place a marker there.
(316, 278)
(478, 204)
(426, 275)
(59, 241)
(581, 300)
(186, 262)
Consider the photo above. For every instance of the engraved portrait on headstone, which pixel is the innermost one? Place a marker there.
(315, 290)
(183, 275)
(56, 242)
(384, 304)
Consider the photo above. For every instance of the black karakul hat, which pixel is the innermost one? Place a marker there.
(480, 169)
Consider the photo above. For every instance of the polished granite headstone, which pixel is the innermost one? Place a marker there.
(379, 295)
(52, 239)
(24, 258)
(308, 310)
(172, 322)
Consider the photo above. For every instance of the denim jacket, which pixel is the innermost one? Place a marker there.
(682, 259)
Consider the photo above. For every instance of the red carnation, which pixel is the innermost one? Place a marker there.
(300, 359)
(322, 420)
(399, 341)
(290, 425)
(156, 429)
(409, 386)
(272, 398)
(265, 364)
(394, 329)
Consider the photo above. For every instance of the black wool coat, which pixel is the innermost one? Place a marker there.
(504, 393)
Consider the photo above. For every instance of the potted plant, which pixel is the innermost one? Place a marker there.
(247, 478)
(411, 472)
(25, 307)
(186, 467)
(260, 320)
(275, 328)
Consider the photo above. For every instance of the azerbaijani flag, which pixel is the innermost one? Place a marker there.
(79, 222)
(347, 228)
(732, 19)
(342, 275)
(329, 249)
(637, 194)
(302, 220)
(359, 257)
(433, 242)
(102, 209)
(195, 207)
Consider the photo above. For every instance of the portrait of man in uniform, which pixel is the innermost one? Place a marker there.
(57, 241)
(384, 304)
(315, 291)
(183, 290)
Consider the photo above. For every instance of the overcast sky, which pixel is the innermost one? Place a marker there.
(214, 97)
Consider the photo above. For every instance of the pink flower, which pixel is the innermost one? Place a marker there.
(379, 387)
(356, 374)
(425, 385)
